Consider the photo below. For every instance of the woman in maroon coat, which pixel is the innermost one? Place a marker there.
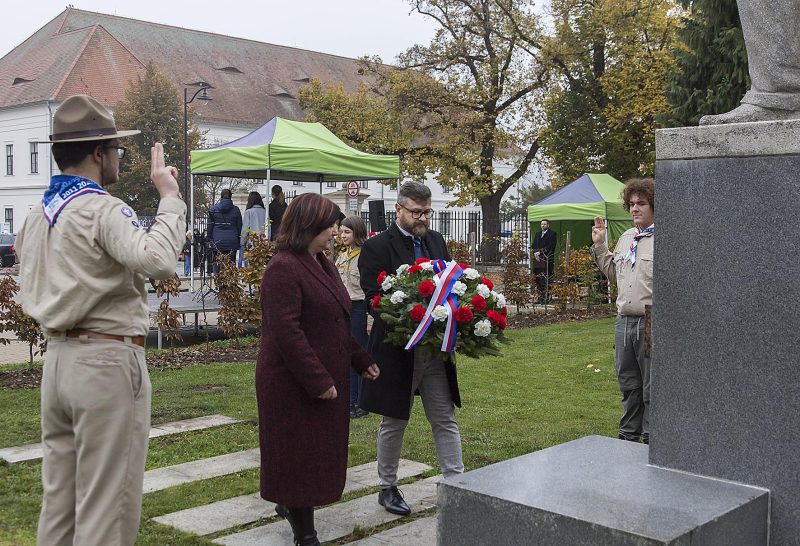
(307, 350)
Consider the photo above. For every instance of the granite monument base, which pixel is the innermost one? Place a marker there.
(597, 491)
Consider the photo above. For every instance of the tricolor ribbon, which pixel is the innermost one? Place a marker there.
(446, 275)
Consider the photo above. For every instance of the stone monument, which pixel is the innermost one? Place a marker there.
(723, 465)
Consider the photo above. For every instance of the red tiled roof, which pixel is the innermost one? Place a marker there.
(94, 53)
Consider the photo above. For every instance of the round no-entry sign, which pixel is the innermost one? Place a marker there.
(352, 188)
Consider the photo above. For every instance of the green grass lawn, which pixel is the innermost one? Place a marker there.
(542, 393)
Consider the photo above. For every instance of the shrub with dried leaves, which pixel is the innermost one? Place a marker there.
(168, 319)
(12, 319)
(516, 279)
(458, 251)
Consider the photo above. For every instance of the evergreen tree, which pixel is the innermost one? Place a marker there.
(154, 105)
(711, 75)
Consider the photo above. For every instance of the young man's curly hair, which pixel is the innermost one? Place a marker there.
(643, 187)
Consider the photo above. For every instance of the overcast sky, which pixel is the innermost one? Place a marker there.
(351, 28)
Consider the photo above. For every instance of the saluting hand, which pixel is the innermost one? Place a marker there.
(598, 231)
(372, 372)
(164, 178)
(330, 394)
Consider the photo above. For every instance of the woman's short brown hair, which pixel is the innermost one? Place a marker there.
(305, 217)
(358, 227)
(643, 187)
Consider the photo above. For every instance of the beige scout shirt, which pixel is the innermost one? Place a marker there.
(88, 270)
(352, 278)
(634, 284)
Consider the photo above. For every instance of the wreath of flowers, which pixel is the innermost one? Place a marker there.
(479, 312)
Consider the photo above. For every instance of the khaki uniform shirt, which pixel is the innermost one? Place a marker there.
(88, 270)
(351, 277)
(634, 284)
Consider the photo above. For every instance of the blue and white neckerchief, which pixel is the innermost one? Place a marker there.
(637, 235)
(63, 189)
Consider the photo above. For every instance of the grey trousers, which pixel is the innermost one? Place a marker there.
(429, 377)
(772, 34)
(633, 375)
(95, 428)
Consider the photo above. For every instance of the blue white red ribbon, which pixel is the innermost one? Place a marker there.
(63, 189)
(446, 275)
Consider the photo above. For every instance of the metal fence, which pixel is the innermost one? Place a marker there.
(455, 225)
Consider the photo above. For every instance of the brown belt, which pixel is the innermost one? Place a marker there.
(136, 340)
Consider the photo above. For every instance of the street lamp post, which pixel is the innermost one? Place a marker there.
(204, 97)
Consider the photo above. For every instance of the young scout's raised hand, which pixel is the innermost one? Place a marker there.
(164, 178)
(598, 231)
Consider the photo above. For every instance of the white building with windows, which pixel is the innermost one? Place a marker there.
(98, 54)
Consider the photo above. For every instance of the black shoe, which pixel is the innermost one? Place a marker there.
(646, 440)
(636, 440)
(310, 540)
(392, 500)
(359, 413)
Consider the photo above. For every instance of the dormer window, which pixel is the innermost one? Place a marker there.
(281, 93)
(18, 81)
(230, 70)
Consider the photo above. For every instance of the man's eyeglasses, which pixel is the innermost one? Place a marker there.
(417, 214)
(120, 150)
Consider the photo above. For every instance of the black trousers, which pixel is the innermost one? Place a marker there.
(543, 278)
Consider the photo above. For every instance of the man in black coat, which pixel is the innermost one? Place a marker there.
(224, 227)
(405, 372)
(544, 257)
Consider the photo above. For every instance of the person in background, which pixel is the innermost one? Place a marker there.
(544, 259)
(631, 266)
(253, 221)
(354, 232)
(187, 254)
(224, 227)
(276, 209)
(307, 351)
(199, 249)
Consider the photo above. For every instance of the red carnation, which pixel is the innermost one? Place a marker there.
(376, 302)
(426, 288)
(502, 323)
(488, 283)
(371, 233)
(494, 316)
(478, 303)
(504, 312)
(421, 261)
(463, 266)
(417, 313)
(381, 277)
(464, 314)
(414, 268)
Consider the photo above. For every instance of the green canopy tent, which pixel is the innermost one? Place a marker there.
(574, 207)
(291, 150)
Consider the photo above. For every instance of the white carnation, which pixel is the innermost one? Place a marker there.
(388, 283)
(483, 290)
(483, 328)
(397, 297)
(439, 313)
(471, 274)
(402, 269)
(426, 266)
(499, 298)
(459, 288)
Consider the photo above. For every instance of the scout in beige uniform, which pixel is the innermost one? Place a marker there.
(83, 262)
(631, 266)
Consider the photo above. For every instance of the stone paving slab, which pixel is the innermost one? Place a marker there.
(213, 467)
(340, 520)
(32, 452)
(420, 532)
(218, 516)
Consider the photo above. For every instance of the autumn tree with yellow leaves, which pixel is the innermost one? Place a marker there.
(459, 107)
(612, 58)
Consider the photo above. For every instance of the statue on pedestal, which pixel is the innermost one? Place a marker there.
(772, 36)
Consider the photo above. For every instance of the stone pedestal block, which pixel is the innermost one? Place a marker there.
(726, 344)
(597, 491)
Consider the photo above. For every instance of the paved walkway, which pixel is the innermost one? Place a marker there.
(32, 452)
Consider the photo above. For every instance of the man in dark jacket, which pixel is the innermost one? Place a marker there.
(224, 227)
(543, 247)
(404, 372)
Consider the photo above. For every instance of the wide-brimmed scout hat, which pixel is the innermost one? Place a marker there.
(81, 118)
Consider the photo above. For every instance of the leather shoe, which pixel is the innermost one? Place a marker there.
(392, 500)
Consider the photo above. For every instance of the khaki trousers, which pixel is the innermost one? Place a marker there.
(95, 428)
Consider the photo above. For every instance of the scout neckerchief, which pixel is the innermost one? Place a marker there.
(63, 189)
(637, 235)
(349, 257)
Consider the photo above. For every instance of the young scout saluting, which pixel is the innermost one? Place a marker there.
(83, 263)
